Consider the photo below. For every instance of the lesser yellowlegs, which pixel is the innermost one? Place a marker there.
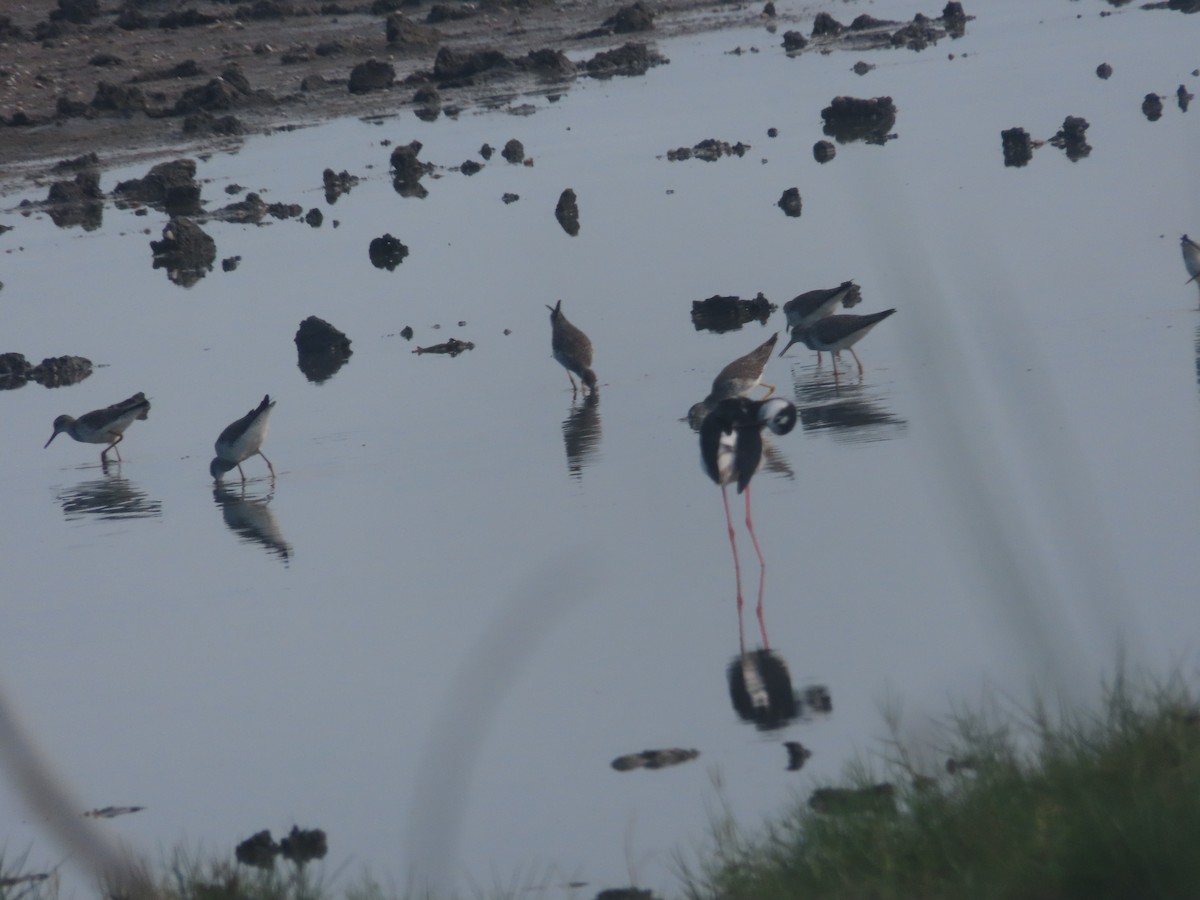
(737, 379)
(103, 426)
(835, 334)
(813, 305)
(571, 348)
(242, 440)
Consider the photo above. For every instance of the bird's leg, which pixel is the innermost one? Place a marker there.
(818, 359)
(857, 360)
(762, 573)
(572, 380)
(269, 466)
(737, 567)
(770, 389)
(240, 472)
(113, 447)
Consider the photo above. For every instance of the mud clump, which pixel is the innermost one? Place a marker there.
(1072, 138)
(1152, 107)
(304, 845)
(452, 347)
(790, 202)
(628, 19)
(709, 150)
(654, 759)
(170, 186)
(403, 32)
(824, 151)
(1183, 97)
(729, 313)
(1104, 71)
(321, 349)
(371, 75)
(336, 184)
(794, 41)
(629, 60)
(55, 371)
(185, 251)
(77, 202)
(850, 119)
(387, 252)
(825, 25)
(567, 212)
(514, 151)
(1017, 147)
(407, 170)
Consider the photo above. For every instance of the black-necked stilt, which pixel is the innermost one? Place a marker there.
(835, 334)
(1191, 257)
(730, 450)
(811, 306)
(737, 379)
(242, 440)
(571, 348)
(103, 426)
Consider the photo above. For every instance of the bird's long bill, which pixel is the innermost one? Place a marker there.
(789, 343)
(52, 437)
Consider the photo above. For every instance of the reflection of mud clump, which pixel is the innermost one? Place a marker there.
(1072, 138)
(1152, 107)
(258, 850)
(709, 150)
(56, 371)
(185, 251)
(798, 755)
(322, 349)
(721, 314)
(855, 119)
(452, 347)
(794, 41)
(171, 186)
(387, 252)
(1183, 97)
(337, 183)
(407, 170)
(77, 202)
(790, 202)
(567, 212)
(653, 759)
(303, 845)
(1017, 146)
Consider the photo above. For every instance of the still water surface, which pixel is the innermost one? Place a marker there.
(466, 593)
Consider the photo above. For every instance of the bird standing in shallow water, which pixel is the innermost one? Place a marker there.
(730, 450)
(242, 440)
(737, 379)
(1191, 257)
(813, 305)
(103, 426)
(571, 348)
(835, 334)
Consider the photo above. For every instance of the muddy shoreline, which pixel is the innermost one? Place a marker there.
(199, 76)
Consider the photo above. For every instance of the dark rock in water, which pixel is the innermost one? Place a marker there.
(401, 31)
(170, 185)
(486, 151)
(548, 64)
(230, 263)
(1183, 98)
(452, 347)
(371, 75)
(1104, 70)
(406, 332)
(387, 252)
(794, 40)
(824, 151)
(303, 845)
(709, 150)
(853, 119)
(917, 34)
(77, 202)
(1072, 138)
(567, 212)
(1152, 107)
(321, 349)
(249, 211)
(314, 217)
(628, 19)
(337, 183)
(772, 132)
(185, 251)
(14, 371)
(861, 68)
(865, 22)
(798, 755)
(508, 198)
(514, 151)
(825, 25)
(470, 167)
(59, 371)
(629, 60)
(721, 314)
(407, 170)
(1017, 146)
(429, 99)
(790, 202)
(654, 759)
(258, 851)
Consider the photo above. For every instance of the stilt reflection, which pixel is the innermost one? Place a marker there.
(581, 433)
(250, 518)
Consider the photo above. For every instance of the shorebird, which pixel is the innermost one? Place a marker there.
(242, 440)
(730, 449)
(103, 426)
(1191, 257)
(737, 379)
(571, 348)
(813, 305)
(835, 334)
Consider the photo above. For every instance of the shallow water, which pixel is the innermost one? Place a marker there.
(465, 594)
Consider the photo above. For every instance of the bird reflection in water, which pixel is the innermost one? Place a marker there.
(581, 433)
(849, 411)
(761, 691)
(110, 497)
(250, 518)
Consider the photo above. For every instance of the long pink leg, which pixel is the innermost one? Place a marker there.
(762, 574)
(737, 566)
(857, 360)
(269, 466)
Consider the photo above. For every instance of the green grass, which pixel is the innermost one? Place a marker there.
(1106, 806)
